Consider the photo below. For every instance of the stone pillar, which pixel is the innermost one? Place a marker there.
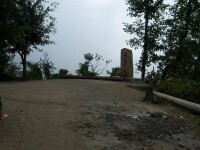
(126, 63)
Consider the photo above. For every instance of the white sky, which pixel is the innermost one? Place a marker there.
(84, 26)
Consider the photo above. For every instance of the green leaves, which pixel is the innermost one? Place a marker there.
(27, 25)
(147, 29)
(63, 72)
(183, 40)
(115, 72)
(94, 65)
(38, 70)
(173, 30)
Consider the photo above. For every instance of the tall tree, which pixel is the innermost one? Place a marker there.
(8, 33)
(147, 29)
(7, 11)
(182, 56)
(35, 24)
(6, 14)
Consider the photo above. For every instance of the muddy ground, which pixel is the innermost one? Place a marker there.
(91, 115)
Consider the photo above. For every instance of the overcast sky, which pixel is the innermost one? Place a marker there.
(84, 26)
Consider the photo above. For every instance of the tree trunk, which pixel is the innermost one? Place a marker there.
(23, 58)
(24, 67)
(145, 47)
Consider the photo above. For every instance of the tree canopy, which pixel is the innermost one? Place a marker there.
(147, 29)
(182, 55)
(173, 30)
(26, 24)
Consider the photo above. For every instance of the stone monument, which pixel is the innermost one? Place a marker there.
(126, 63)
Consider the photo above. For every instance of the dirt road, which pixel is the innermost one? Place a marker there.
(91, 115)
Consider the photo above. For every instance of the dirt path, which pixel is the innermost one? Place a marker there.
(91, 115)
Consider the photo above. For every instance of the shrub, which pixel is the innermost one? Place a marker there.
(63, 72)
(115, 71)
(181, 88)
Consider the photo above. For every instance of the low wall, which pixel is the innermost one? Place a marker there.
(104, 78)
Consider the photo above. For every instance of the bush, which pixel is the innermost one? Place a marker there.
(181, 88)
(54, 76)
(63, 72)
(115, 72)
(93, 65)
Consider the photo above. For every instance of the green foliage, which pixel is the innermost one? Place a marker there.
(182, 88)
(38, 70)
(115, 71)
(34, 71)
(171, 29)
(182, 55)
(153, 77)
(47, 66)
(63, 72)
(93, 65)
(4, 58)
(13, 71)
(55, 76)
(46, 69)
(83, 70)
(84, 67)
(147, 28)
(7, 26)
(8, 69)
(26, 24)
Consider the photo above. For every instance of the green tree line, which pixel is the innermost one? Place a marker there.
(172, 30)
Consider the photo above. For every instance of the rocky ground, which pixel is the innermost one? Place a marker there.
(91, 115)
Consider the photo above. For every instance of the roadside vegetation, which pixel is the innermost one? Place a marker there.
(182, 88)
(94, 65)
(169, 36)
(114, 72)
